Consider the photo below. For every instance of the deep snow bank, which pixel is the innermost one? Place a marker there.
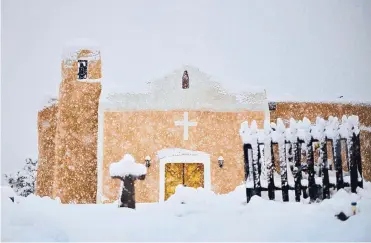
(28, 220)
(191, 215)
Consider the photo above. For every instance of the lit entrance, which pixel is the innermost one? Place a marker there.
(187, 174)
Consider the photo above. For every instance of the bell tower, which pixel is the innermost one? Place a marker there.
(75, 178)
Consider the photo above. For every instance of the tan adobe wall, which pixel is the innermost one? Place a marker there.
(76, 134)
(286, 110)
(143, 133)
(46, 123)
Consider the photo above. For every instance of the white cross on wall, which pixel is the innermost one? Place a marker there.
(186, 125)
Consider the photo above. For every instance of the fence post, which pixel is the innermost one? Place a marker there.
(357, 154)
(283, 162)
(297, 175)
(255, 153)
(259, 159)
(246, 148)
(311, 181)
(271, 187)
(336, 151)
(325, 176)
(352, 164)
(269, 158)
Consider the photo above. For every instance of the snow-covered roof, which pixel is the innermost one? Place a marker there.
(203, 94)
(319, 100)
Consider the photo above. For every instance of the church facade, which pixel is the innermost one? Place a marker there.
(185, 129)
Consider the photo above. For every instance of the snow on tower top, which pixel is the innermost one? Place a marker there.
(79, 48)
(81, 61)
(168, 93)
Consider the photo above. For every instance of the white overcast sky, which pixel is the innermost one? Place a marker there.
(307, 50)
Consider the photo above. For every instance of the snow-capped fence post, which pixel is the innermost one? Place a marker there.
(336, 146)
(297, 169)
(354, 122)
(347, 132)
(269, 159)
(127, 171)
(312, 187)
(283, 163)
(258, 150)
(332, 133)
(319, 133)
(250, 140)
(325, 176)
(296, 156)
(249, 188)
(321, 128)
(357, 154)
(308, 141)
(244, 133)
(255, 158)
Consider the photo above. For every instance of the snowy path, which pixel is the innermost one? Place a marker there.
(204, 217)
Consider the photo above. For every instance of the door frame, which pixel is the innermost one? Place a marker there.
(182, 159)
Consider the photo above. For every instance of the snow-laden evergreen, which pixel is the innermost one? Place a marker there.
(23, 181)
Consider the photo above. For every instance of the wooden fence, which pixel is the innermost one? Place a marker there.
(296, 174)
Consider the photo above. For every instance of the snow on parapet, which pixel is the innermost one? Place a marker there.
(127, 166)
(170, 152)
(203, 94)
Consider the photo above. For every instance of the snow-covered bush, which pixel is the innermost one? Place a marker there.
(23, 181)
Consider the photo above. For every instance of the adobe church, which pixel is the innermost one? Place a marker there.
(185, 129)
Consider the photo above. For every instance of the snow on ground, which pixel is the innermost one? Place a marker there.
(190, 215)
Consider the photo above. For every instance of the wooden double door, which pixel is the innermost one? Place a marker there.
(187, 174)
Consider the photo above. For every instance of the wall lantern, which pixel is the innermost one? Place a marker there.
(148, 161)
(221, 161)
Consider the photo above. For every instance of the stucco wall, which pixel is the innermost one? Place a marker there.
(286, 110)
(46, 124)
(144, 133)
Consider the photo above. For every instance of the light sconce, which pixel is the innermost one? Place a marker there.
(148, 161)
(221, 161)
